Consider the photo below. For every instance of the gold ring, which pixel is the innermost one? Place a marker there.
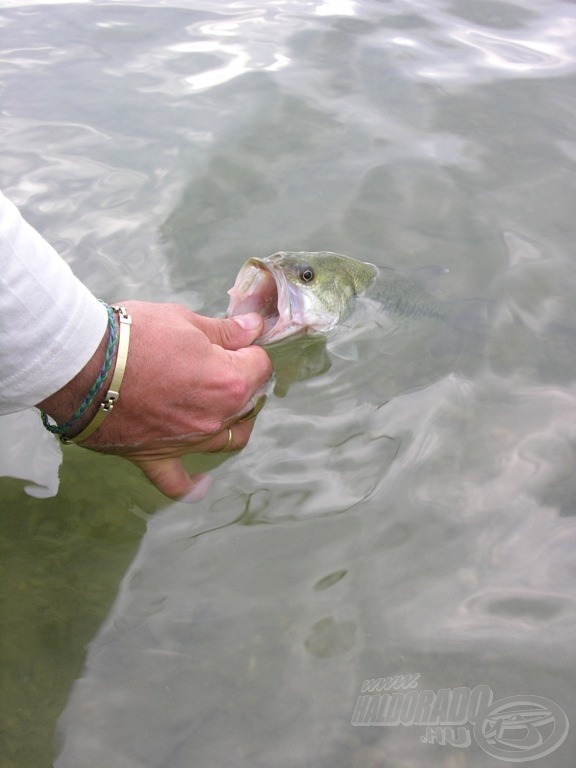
(259, 403)
(228, 444)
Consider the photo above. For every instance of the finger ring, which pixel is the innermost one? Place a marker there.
(228, 444)
(258, 403)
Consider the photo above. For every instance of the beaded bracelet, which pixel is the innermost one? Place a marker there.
(60, 429)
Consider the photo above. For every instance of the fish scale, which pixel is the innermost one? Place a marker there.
(404, 296)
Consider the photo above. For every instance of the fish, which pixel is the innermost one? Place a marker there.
(304, 293)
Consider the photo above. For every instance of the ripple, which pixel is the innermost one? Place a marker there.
(535, 46)
(344, 446)
(492, 13)
(516, 56)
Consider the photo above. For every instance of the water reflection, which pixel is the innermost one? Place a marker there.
(422, 568)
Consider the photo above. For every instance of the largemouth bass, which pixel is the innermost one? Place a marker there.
(310, 293)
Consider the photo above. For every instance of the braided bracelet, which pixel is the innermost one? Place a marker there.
(61, 429)
(113, 394)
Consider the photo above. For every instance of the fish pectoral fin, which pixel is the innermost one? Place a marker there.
(345, 349)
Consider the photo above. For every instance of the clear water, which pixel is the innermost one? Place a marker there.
(406, 503)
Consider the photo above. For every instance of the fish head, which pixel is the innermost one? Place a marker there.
(299, 293)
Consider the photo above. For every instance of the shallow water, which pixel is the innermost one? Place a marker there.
(406, 503)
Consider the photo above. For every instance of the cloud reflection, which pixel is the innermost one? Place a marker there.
(475, 51)
(509, 572)
(336, 8)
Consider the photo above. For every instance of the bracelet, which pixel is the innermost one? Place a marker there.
(60, 429)
(113, 394)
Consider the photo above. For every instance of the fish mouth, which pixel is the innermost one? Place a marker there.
(262, 287)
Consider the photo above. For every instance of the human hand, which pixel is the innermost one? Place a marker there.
(188, 379)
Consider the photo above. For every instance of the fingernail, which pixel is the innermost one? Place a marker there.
(199, 491)
(249, 322)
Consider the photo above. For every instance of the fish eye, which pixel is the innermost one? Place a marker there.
(306, 274)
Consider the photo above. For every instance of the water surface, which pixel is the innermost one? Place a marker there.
(406, 502)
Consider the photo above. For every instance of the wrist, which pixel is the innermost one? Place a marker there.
(64, 405)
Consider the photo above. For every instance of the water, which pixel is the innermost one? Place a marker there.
(406, 503)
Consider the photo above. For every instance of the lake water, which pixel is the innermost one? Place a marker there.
(406, 505)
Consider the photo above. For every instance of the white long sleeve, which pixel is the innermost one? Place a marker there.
(50, 323)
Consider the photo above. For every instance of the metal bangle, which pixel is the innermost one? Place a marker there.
(113, 394)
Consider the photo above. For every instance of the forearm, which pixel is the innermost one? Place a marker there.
(50, 323)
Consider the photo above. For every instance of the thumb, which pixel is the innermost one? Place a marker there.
(171, 479)
(234, 332)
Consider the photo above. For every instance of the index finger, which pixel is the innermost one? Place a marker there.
(253, 367)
